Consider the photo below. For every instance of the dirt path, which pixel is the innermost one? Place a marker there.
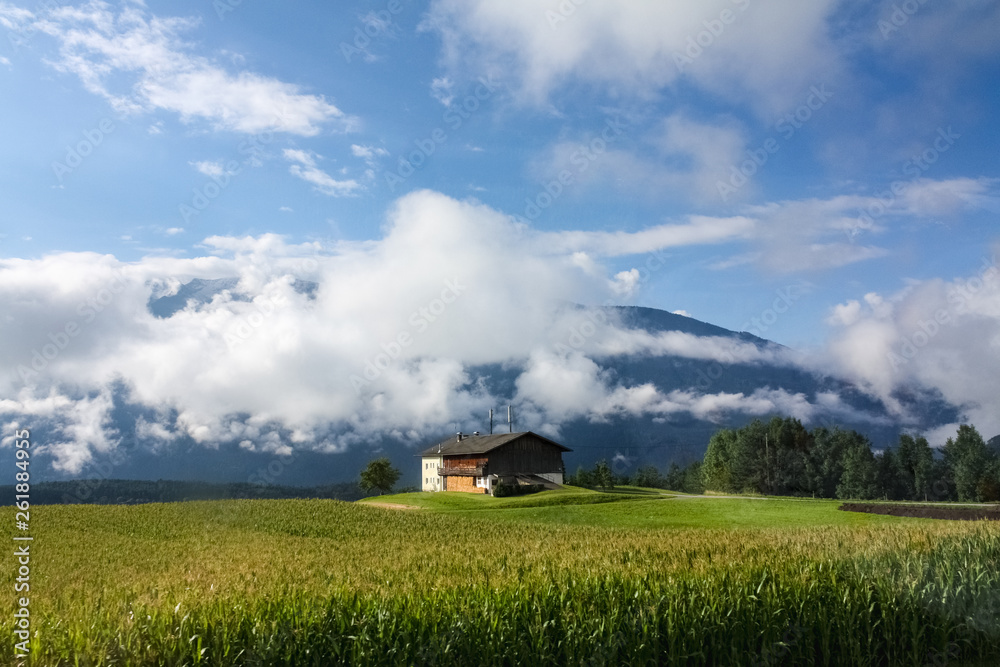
(394, 506)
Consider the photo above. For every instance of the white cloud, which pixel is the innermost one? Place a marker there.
(766, 56)
(369, 154)
(4, 61)
(14, 18)
(442, 89)
(845, 314)
(698, 230)
(103, 49)
(209, 167)
(559, 388)
(813, 234)
(938, 334)
(681, 157)
(929, 198)
(386, 343)
(818, 234)
(305, 167)
(83, 425)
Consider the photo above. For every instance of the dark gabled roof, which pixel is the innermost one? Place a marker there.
(481, 444)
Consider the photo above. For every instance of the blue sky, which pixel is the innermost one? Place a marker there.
(845, 149)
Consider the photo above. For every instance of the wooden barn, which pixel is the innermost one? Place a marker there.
(477, 463)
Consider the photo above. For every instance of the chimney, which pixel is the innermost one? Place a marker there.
(460, 436)
(475, 433)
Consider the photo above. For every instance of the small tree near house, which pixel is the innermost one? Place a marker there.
(603, 476)
(379, 475)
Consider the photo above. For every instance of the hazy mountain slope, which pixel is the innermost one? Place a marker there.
(627, 440)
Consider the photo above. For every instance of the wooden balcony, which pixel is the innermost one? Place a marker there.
(462, 471)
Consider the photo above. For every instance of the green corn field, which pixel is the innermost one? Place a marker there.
(320, 582)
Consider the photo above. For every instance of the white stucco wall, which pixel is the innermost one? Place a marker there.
(429, 479)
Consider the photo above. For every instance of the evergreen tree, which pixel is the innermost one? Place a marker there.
(990, 485)
(788, 446)
(717, 467)
(914, 465)
(603, 476)
(582, 477)
(941, 486)
(675, 477)
(968, 463)
(825, 463)
(859, 480)
(692, 479)
(906, 466)
(647, 476)
(890, 487)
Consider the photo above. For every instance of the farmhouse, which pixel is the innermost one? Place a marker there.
(478, 463)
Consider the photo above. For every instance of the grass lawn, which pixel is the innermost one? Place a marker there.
(632, 507)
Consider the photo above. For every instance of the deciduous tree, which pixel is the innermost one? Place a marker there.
(379, 475)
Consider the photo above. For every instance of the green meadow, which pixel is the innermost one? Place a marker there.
(631, 577)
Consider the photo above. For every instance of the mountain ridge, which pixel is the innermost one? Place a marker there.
(627, 440)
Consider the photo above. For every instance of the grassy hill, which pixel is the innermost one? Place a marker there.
(631, 507)
(565, 577)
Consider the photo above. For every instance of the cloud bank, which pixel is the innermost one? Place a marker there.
(386, 342)
(943, 334)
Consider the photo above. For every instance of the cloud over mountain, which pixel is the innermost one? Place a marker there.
(386, 338)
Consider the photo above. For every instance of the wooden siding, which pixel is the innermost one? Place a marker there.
(468, 465)
(526, 455)
(464, 484)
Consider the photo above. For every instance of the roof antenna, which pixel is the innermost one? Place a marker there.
(491, 421)
(510, 418)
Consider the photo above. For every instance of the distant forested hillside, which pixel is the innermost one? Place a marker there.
(131, 492)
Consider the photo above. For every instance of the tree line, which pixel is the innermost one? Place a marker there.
(686, 479)
(134, 492)
(781, 457)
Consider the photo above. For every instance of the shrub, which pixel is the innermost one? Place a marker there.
(508, 490)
